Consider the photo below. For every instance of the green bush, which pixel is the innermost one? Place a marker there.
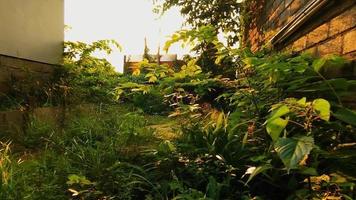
(152, 102)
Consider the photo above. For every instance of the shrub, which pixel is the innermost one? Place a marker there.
(152, 102)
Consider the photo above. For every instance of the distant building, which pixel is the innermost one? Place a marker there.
(131, 61)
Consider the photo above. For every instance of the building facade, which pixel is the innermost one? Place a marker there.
(320, 27)
(31, 39)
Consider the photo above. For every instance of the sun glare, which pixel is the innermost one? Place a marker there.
(126, 21)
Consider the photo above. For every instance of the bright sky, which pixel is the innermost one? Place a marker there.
(126, 21)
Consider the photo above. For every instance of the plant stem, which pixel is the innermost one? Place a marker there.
(331, 87)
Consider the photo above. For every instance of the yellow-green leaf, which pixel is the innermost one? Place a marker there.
(152, 79)
(275, 127)
(322, 106)
(283, 110)
(302, 101)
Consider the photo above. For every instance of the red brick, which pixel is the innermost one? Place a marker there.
(349, 41)
(283, 18)
(351, 56)
(341, 23)
(300, 44)
(254, 48)
(295, 6)
(317, 35)
(269, 35)
(353, 14)
(332, 46)
(274, 13)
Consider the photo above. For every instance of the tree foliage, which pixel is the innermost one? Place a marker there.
(221, 14)
(86, 76)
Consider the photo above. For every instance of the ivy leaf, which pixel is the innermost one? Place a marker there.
(274, 128)
(346, 115)
(323, 108)
(292, 150)
(278, 113)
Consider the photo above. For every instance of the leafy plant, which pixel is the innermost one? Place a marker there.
(89, 78)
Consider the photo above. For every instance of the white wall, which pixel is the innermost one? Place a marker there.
(32, 29)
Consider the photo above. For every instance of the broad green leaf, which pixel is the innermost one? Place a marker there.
(292, 150)
(278, 113)
(335, 61)
(323, 108)
(330, 61)
(274, 128)
(318, 64)
(346, 115)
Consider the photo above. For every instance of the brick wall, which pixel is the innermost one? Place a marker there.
(14, 69)
(331, 30)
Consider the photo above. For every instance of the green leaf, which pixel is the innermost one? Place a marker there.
(292, 150)
(166, 147)
(220, 121)
(302, 101)
(274, 128)
(346, 115)
(330, 61)
(252, 61)
(323, 108)
(278, 113)
(309, 171)
(318, 64)
(152, 79)
(77, 179)
(213, 189)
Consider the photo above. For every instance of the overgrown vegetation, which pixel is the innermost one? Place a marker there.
(267, 126)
